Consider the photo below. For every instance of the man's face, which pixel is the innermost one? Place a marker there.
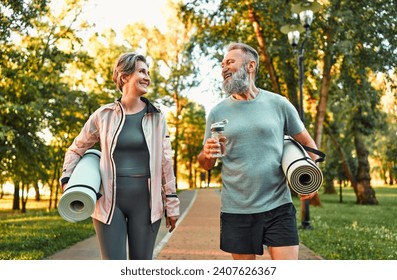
(234, 73)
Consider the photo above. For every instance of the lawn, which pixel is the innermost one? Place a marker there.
(347, 231)
(38, 233)
(342, 231)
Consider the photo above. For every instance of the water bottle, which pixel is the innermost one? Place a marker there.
(216, 133)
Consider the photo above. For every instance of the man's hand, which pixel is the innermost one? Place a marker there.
(206, 157)
(308, 196)
(212, 146)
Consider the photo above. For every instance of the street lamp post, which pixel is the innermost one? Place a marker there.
(306, 10)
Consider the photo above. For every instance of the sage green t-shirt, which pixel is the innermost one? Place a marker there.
(252, 176)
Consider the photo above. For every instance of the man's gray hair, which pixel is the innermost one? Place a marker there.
(248, 50)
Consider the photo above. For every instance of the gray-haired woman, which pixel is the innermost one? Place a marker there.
(138, 183)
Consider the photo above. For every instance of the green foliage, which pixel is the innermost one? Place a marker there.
(348, 231)
(17, 15)
(191, 137)
(218, 23)
(39, 234)
(36, 96)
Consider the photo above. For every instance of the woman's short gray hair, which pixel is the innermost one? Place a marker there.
(125, 66)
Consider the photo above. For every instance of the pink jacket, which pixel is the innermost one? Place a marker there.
(104, 126)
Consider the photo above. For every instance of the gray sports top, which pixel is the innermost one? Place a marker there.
(252, 176)
(131, 154)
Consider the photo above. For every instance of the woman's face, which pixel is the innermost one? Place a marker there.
(139, 81)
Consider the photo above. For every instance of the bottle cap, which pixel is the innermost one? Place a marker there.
(219, 126)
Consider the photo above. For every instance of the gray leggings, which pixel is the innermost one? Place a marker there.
(130, 224)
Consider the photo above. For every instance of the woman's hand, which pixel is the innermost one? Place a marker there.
(171, 223)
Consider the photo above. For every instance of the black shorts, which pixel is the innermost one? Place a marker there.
(247, 233)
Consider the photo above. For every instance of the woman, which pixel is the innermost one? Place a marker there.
(138, 183)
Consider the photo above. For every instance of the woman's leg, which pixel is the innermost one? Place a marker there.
(112, 238)
(141, 239)
(134, 200)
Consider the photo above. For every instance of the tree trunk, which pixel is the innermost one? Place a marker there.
(364, 192)
(340, 191)
(51, 186)
(342, 157)
(57, 189)
(37, 191)
(322, 105)
(195, 178)
(329, 187)
(326, 81)
(24, 200)
(391, 178)
(191, 183)
(15, 203)
(263, 49)
(208, 178)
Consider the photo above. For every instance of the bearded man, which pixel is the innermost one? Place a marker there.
(256, 203)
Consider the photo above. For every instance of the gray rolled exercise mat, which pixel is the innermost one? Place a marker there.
(302, 173)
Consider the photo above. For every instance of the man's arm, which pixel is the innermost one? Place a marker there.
(305, 139)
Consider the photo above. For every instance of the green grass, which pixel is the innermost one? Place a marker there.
(38, 234)
(347, 231)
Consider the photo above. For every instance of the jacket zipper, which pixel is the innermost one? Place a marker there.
(150, 171)
(113, 165)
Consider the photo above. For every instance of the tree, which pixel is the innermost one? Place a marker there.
(385, 146)
(192, 131)
(34, 59)
(366, 51)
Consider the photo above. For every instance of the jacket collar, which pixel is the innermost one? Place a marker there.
(150, 108)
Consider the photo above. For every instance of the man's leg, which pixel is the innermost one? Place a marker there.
(241, 235)
(244, 257)
(281, 235)
(284, 252)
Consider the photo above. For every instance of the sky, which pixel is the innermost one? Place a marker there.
(116, 14)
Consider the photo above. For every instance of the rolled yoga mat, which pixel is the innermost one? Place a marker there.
(79, 198)
(302, 173)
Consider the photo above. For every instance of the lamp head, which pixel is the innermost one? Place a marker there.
(293, 31)
(306, 10)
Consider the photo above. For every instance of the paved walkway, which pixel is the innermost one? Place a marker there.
(195, 238)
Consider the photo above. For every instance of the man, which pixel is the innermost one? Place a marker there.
(256, 204)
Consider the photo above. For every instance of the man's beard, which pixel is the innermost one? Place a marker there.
(238, 82)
